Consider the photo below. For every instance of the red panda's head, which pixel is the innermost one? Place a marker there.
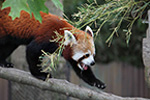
(80, 47)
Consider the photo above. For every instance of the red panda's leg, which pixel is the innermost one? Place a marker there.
(33, 52)
(6, 48)
(87, 76)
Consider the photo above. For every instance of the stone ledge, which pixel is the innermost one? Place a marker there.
(146, 51)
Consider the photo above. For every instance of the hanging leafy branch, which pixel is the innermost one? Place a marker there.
(50, 60)
(113, 12)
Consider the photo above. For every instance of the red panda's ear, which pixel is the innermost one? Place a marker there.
(69, 38)
(89, 31)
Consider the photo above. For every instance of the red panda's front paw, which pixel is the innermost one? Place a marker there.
(99, 85)
(8, 65)
(103, 86)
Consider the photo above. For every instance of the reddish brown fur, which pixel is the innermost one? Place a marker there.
(20, 27)
(25, 27)
(85, 43)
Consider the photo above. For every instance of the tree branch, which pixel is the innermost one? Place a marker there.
(59, 86)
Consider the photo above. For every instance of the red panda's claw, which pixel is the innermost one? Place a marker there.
(103, 86)
(100, 84)
(8, 65)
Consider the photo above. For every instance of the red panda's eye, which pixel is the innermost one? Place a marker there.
(87, 55)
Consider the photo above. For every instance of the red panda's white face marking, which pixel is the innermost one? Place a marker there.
(83, 49)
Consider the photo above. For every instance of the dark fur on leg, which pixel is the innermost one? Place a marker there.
(6, 48)
(87, 75)
(33, 53)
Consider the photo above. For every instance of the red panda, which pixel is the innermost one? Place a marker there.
(79, 46)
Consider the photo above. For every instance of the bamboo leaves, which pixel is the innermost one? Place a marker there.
(113, 12)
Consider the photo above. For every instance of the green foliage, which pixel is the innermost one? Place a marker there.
(49, 61)
(16, 7)
(35, 7)
(58, 4)
(70, 7)
(113, 12)
(119, 50)
(30, 6)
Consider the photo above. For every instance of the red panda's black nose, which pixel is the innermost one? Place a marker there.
(93, 63)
